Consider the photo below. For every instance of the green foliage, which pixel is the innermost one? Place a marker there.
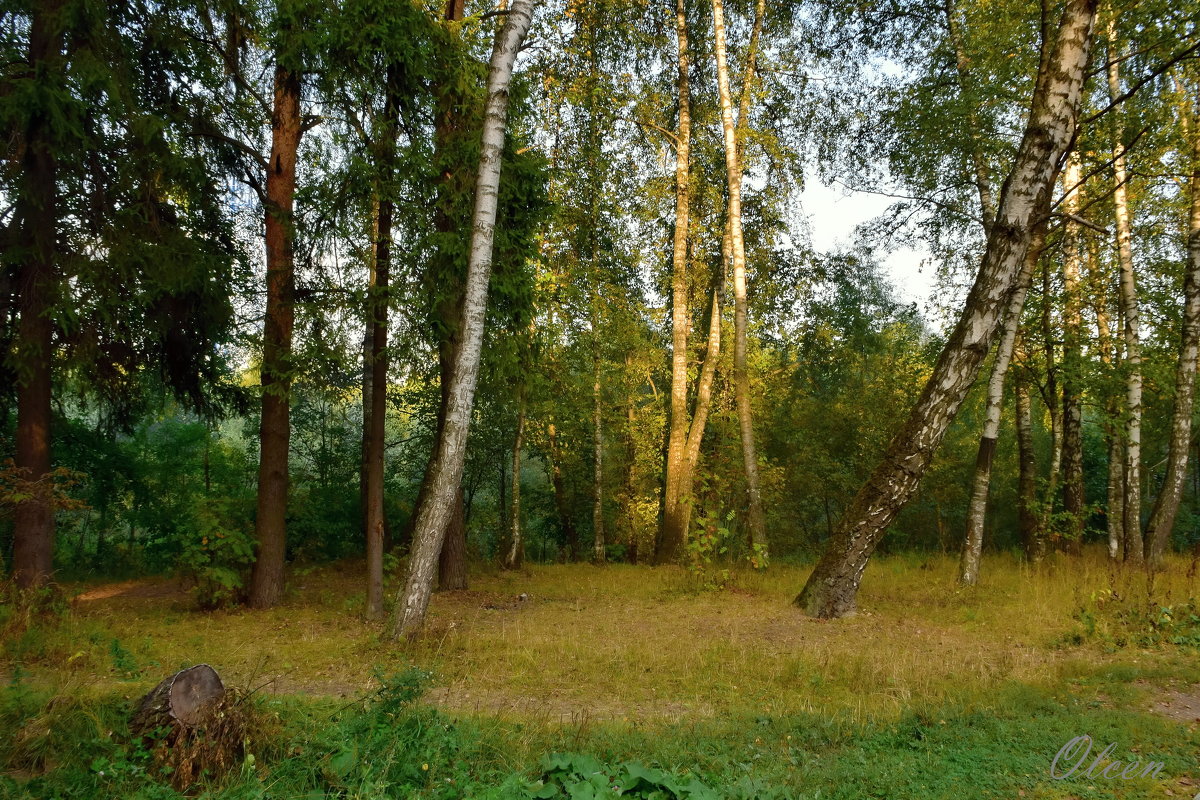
(707, 549)
(1117, 622)
(216, 554)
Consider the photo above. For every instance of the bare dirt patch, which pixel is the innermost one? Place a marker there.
(1178, 704)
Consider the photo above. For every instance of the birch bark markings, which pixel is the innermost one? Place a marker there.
(968, 570)
(433, 514)
(516, 546)
(741, 377)
(1132, 506)
(832, 588)
(1072, 414)
(1162, 518)
(674, 528)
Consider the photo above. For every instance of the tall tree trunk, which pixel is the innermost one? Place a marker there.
(1027, 518)
(1130, 311)
(1162, 518)
(433, 515)
(673, 533)
(1053, 403)
(1072, 416)
(1114, 514)
(832, 588)
(597, 462)
(562, 505)
(631, 477)
(968, 568)
(377, 299)
(266, 578)
(37, 214)
(516, 546)
(449, 308)
(704, 385)
(367, 368)
(741, 375)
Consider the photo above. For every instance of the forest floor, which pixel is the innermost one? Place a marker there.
(929, 685)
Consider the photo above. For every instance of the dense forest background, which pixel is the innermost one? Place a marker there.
(226, 223)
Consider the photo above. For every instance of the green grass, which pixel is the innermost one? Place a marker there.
(649, 685)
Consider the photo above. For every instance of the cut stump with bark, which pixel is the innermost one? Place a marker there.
(185, 698)
(193, 725)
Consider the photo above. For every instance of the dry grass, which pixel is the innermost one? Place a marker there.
(630, 644)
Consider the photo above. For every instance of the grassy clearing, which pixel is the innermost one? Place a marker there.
(929, 686)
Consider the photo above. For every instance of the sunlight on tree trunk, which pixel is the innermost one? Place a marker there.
(741, 376)
(832, 588)
(673, 532)
(266, 579)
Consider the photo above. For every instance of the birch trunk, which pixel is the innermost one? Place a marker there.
(516, 546)
(1072, 414)
(1115, 489)
(741, 376)
(673, 533)
(1031, 536)
(37, 212)
(1053, 404)
(704, 387)
(1132, 504)
(597, 465)
(433, 515)
(266, 577)
(1162, 518)
(833, 586)
(968, 570)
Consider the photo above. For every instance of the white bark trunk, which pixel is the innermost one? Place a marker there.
(741, 377)
(1133, 351)
(674, 529)
(598, 554)
(446, 470)
(1162, 518)
(968, 572)
(832, 588)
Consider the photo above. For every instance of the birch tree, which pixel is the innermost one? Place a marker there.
(1166, 505)
(433, 514)
(832, 588)
(733, 171)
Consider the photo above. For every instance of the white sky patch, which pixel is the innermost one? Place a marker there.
(833, 213)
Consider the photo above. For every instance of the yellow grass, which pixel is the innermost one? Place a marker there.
(633, 644)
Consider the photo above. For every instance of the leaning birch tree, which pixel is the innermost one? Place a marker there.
(832, 588)
(446, 470)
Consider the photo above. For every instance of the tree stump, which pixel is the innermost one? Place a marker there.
(183, 699)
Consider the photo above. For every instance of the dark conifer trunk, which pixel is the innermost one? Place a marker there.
(266, 578)
(33, 519)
